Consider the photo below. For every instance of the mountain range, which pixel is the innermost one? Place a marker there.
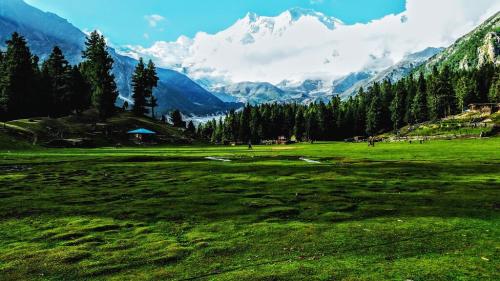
(310, 50)
(194, 77)
(45, 30)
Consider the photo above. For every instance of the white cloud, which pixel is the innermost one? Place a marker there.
(288, 47)
(153, 20)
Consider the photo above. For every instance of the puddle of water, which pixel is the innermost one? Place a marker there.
(309, 160)
(218, 159)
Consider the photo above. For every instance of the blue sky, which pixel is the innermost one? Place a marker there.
(136, 22)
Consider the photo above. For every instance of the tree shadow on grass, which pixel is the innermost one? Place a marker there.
(179, 188)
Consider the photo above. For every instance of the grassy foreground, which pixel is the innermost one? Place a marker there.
(394, 212)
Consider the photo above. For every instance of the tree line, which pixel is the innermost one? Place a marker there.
(55, 88)
(382, 107)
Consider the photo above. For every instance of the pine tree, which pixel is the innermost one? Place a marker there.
(419, 107)
(191, 129)
(446, 92)
(374, 114)
(410, 91)
(57, 73)
(139, 88)
(151, 83)
(398, 107)
(386, 97)
(312, 124)
(244, 128)
(3, 95)
(494, 93)
(256, 125)
(300, 124)
(80, 91)
(18, 85)
(176, 118)
(97, 67)
(466, 90)
(153, 103)
(433, 94)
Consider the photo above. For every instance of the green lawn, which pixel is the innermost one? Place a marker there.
(394, 212)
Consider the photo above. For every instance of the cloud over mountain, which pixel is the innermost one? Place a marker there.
(302, 44)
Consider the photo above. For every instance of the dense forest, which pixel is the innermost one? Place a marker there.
(54, 88)
(381, 108)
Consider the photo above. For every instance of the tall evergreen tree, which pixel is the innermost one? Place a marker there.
(374, 115)
(419, 107)
(244, 128)
(18, 84)
(494, 92)
(398, 106)
(191, 129)
(97, 66)
(300, 124)
(466, 90)
(446, 92)
(151, 83)
(256, 125)
(312, 124)
(176, 119)
(80, 91)
(57, 73)
(139, 88)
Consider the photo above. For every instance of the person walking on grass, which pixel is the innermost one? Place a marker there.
(250, 145)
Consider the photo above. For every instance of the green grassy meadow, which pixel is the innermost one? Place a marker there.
(398, 211)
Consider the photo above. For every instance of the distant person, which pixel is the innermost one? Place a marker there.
(250, 145)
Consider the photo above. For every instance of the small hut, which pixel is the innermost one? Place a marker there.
(142, 135)
(487, 108)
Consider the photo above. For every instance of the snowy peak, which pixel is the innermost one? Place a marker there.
(298, 13)
(254, 24)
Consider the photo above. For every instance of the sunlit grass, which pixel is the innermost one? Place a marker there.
(394, 212)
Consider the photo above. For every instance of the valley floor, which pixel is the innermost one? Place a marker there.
(328, 211)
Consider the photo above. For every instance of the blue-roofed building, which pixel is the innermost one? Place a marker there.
(142, 135)
(142, 131)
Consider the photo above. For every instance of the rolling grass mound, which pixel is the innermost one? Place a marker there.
(42, 131)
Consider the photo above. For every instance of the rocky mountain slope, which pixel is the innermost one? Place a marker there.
(480, 46)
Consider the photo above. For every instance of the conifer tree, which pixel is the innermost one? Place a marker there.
(244, 128)
(151, 83)
(153, 103)
(176, 118)
(191, 129)
(97, 67)
(300, 124)
(466, 90)
(312, 124)
(494, 92)
(374, 116)
(419, 107)
(398, 107)
(57, 73)
(80, 91)
(17, 90)
(139, 88)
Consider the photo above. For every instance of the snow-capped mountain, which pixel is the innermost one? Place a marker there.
(315, 90)
(394, 73)
(300, 45)
(45, 30)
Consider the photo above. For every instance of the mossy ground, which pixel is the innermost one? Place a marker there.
(394, 212)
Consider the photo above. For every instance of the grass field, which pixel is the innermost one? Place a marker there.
(394, 212)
